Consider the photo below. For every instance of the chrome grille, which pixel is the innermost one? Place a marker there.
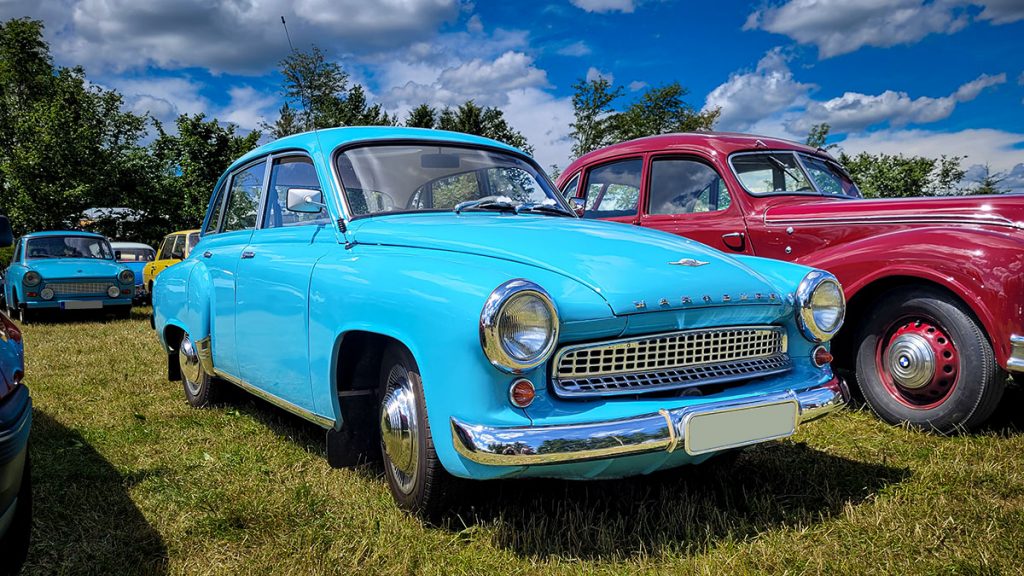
(78, 288)
(670, 361)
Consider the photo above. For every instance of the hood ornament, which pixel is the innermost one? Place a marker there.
(688, 262)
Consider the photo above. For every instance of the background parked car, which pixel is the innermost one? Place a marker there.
(174, 248)
(135, 256)
(936, 285)
(412, 291)
(15, 422)
(66, 270)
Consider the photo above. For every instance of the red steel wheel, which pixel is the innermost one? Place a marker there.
(918, 363)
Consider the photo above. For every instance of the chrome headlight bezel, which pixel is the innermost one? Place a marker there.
(126, 277)
(490, 337)
(31, 278)
(814, 280)
(113, 291)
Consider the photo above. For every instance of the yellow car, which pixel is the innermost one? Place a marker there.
(175, 248)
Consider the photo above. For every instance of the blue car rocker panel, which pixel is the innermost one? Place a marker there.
(432, 292)
(66, 270)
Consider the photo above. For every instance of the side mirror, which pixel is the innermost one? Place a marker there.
(578, 205)
(305, 200)
(6, 234)
(117, 254)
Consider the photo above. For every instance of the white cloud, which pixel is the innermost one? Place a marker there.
(509, 71)
(243, 37)
(841, 26)
(747, 97)
(637, 85)
(626, 6)
(544, 120)
(854, 111)
(1000, 149)
(578, 48)
(474, 24)
(593, 74)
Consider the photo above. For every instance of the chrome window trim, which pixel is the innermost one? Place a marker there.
(804, 312)
(490, 339)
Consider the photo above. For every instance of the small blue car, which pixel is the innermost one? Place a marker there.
(66, 270)
(15, 423)
(134, 255)
(430, 296)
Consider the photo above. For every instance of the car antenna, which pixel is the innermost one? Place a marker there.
(311, 113)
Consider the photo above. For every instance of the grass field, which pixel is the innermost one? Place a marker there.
(129, 479)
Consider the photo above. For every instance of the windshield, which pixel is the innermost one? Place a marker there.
(68, 247)
(763, 173)
(421, 177)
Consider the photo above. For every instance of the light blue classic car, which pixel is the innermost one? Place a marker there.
(135, 256)
(66, 270)
(430, 296)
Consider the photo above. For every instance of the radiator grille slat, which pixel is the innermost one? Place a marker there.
(78, 288)
(670, 361)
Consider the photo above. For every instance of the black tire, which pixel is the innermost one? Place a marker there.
(201, 389)
(965, 403)
(14, 544)
(426, 490)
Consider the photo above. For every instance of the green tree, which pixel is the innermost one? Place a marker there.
(989, 183)
(817, 137)
(287, 123)
(422, 116)
(899, 176)
(594, 123)
(488, 122)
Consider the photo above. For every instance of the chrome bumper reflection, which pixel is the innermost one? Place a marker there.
(662, 430)
(1016, 361)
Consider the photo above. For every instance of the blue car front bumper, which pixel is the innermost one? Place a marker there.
(83, 303)
(662, 431)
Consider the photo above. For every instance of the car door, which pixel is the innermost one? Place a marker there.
(612, 190)
(687, 196)
(271, 298)
(231, 224)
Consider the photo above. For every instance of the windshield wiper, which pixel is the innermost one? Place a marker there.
(487, 203)
(782, 166)
(544, 208)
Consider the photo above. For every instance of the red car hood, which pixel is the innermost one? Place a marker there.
(997, 210)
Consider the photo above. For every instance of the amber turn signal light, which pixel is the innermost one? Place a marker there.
(821, 356)
(521, 393)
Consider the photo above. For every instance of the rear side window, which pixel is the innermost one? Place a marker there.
(244, 198)
(215, 211)
(682, 186)
(614, 189)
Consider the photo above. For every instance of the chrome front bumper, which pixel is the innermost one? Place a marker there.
(1016, 361)
(660, 431)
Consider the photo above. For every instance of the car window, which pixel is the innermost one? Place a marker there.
(135, 254)
(165, 248)
(216, 208)
(178, 249)
(614, 189)
(286, 173)
(68, 247)
(244, 198)
(193, 239)
(570, 189)
(770, 172)
(681, 186)
(831, 180)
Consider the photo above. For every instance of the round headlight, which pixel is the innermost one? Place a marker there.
(518, 326)
(46, 293)
(126, 277)
(821, 306)
(113, 291)
(31, 278)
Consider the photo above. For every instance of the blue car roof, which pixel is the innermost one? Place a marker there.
(328, 139)
(63, 233)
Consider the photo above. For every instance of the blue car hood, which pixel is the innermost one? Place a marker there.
(60, 268)
(624, 264)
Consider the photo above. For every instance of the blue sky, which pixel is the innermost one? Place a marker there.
(920, 77)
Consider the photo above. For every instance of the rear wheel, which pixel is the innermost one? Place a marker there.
(923, 359)
(418, 481)
(201, 389)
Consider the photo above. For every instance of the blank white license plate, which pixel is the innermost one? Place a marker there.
(711, 431)
(81, 305)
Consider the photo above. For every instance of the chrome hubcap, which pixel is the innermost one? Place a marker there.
(188, 359)
(398, 428)
(911, 361)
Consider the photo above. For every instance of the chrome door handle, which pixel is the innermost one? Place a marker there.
(734, 240)
(207, 254)
(248, 254)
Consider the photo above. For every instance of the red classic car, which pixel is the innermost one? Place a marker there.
(935, 285)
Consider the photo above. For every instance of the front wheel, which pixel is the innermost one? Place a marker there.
(418, 481)
(923, 359)
(200, 388)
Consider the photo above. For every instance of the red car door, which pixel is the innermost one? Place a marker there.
(686, 195)
(612, 190)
